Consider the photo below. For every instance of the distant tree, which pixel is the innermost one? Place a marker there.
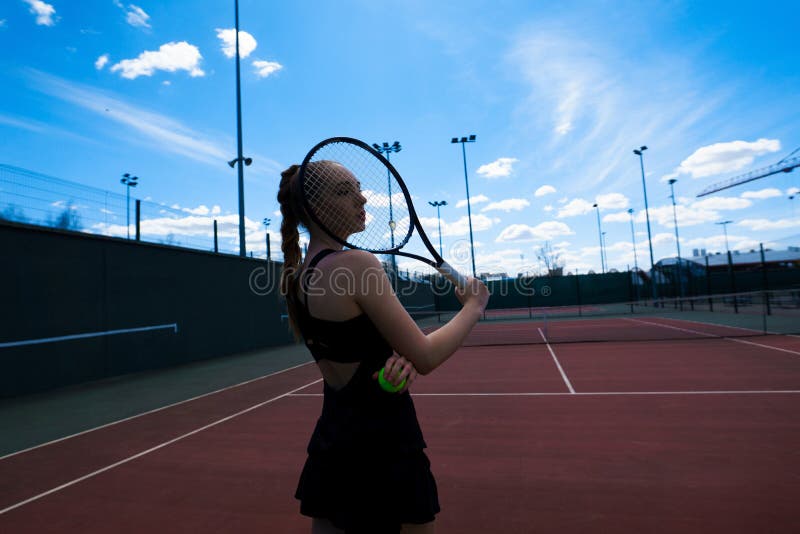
(14, 214)
(69, 219)
(551, 259)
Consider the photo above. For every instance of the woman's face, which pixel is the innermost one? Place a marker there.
(339, 203)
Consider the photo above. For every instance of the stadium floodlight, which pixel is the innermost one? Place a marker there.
(463, 140)
(128, 181)
(639, 152)
(438, 204)
(387, 149)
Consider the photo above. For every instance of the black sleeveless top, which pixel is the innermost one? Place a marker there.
(360, 415)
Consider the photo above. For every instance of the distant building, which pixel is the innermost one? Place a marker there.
(742, 261)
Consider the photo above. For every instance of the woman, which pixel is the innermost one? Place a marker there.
(366, 470)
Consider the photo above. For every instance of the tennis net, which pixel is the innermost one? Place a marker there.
(759, 313)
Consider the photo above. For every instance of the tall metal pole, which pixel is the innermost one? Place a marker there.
(639, 152)
(635, 259)
(633, 240)
(600, 238)
(677, 240)
(128, 181)
(725, 228)
(463, 140)
(387, 149)
(603, 250)
(242, 248)
(438, 204)
(267, 220)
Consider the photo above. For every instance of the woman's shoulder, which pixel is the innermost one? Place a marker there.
(357, 260)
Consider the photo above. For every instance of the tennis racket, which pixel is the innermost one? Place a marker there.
(358, 198)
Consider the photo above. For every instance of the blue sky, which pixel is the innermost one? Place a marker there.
(558, 95)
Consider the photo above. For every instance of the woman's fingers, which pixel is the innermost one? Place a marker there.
(398, 369)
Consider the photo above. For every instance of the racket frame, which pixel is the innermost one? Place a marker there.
(437, 263)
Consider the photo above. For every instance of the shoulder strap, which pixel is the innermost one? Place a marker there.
(311, 266)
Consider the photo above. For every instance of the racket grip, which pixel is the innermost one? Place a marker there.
(451, 274)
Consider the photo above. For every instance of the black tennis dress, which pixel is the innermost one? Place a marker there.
(366, 470)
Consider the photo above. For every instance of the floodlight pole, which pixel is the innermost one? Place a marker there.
(387, 149)
(463, 140)
(639, 153)
(239, 158)
(725, 229)
(267, 220)
(677, 240)
(633, 240)
(129, 181)
(600, 238)
(438, 204)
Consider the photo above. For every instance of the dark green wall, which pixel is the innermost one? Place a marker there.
(55, 283)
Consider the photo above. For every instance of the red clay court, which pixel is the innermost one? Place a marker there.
(700, 433)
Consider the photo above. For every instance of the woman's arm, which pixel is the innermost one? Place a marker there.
(427, 352)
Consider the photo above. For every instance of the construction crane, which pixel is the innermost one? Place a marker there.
(787, 164)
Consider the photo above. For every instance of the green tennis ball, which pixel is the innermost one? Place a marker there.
(388, 386)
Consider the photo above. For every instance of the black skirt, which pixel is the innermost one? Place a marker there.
(368, 492)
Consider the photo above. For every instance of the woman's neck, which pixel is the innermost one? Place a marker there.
(317, 243)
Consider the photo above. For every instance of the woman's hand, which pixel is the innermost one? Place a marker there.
(396, 370)
(475, 293)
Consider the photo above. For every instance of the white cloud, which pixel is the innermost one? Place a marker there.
(792, 191)
(548, 208)
(265, 68)
(247, 43)
(499, 168)
(165, 133)
(726, 157)
(44, 12)
(763, 193)
(687, 216)
(622, 216)
(722, 203)
(477, 199)
(170, 57)
(101, 62)
(612, 201)
(507, 205)
(769, 224)
(459, 227)
(203, 210)
(2, 23)
(137, 17)
(381, 200)
(541, 232)
(544, 190)
(576, 206)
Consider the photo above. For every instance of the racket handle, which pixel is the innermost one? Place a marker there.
(451, 274)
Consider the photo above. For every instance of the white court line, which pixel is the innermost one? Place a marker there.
(595, 393)
(150, 412)
(560, 370)
(715, 336)
(173, 326)
(148, 451)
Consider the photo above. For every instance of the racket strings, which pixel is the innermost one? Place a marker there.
(343, 179)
